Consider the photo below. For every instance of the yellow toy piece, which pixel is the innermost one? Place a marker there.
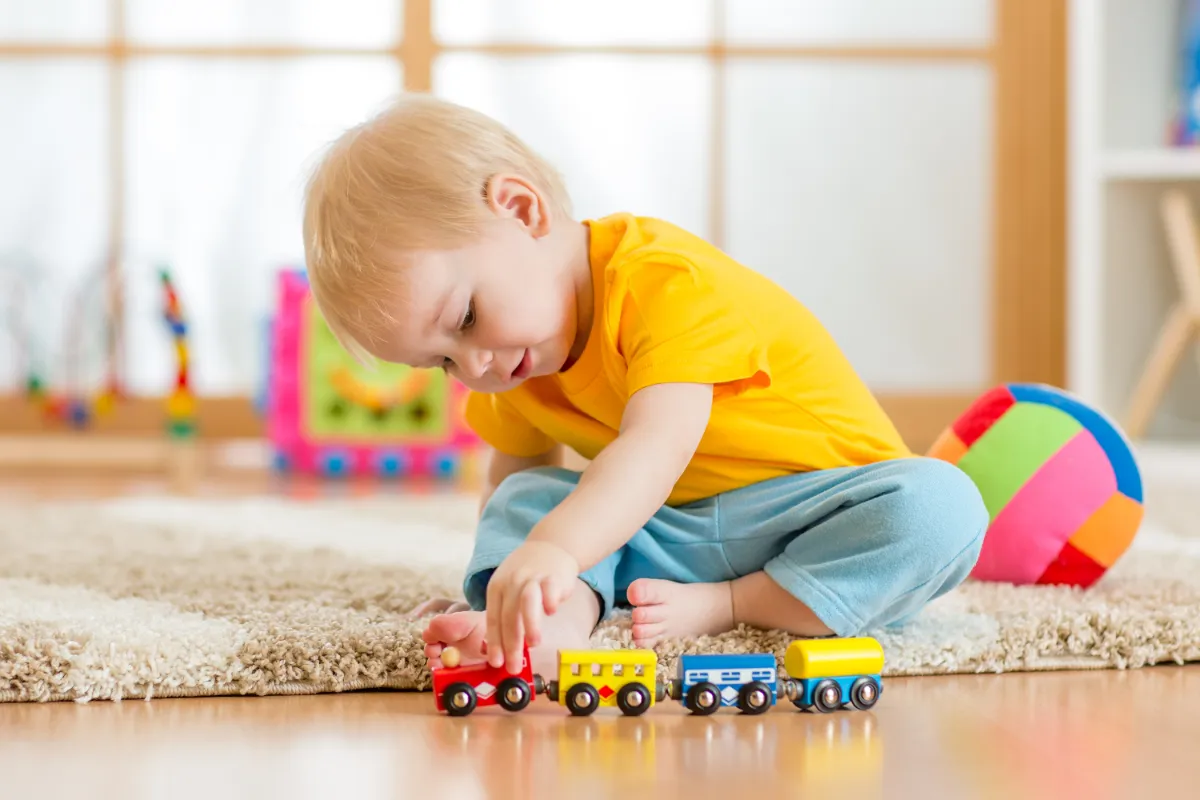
(589, 679)
(181, 405)
(831, 658)
(105, 401)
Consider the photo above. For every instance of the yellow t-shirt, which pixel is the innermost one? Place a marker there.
(669, 307)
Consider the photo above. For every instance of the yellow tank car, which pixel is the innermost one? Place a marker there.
(827, 674)
(588, 679)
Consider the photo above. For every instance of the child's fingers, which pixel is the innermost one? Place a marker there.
(554, 593)
(531, 601)
(550, 595)
(495, 635)
(513, 628)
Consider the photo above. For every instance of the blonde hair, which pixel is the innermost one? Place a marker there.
(414, 176)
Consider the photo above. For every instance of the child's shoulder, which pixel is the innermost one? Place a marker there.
(631, 245)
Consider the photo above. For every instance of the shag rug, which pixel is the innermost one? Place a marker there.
(162, 597)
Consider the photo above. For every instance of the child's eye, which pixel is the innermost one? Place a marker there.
(469, 318)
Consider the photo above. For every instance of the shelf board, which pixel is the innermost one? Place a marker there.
(1152, 164)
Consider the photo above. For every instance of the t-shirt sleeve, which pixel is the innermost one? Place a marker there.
(498, 423)
(676, 327)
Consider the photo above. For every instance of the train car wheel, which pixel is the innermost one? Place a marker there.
(827, 696)
(864, 693)
(582, 699)
(459, 699)
(633, 699)
(703, 699)
(754, 698)
(514, 694)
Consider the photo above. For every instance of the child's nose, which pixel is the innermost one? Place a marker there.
(480, 361)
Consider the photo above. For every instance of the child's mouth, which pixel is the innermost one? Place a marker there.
(525, 367)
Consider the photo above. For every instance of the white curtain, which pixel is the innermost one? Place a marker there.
(855, 184)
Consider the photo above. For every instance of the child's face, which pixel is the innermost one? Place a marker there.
(493, 314)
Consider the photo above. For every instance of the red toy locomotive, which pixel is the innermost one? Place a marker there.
(460, 690)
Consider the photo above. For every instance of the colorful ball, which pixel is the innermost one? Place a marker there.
(1059, 479)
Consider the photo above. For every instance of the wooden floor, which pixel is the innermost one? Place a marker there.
(1093, 735)
(1055, 735)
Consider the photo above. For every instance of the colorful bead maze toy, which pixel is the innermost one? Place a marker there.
(181, 404)
(328, 415)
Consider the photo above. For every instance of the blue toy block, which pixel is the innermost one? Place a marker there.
(281, 462)
(78, 414)
(335, 463)
(392, 464)
(445, 463)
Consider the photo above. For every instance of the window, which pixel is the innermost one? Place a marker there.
(146, 133)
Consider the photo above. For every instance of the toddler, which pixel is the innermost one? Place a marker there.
(740, 471)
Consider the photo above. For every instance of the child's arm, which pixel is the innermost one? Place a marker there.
(619, 491)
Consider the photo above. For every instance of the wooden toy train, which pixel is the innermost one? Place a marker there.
(823, 675)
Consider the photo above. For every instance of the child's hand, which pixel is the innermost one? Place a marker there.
(535, 578)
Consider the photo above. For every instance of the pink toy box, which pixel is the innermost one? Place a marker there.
(328, 415)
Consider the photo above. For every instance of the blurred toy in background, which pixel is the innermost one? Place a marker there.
(327, 415)
(1185, 115)
(91, 336)
(181, 403)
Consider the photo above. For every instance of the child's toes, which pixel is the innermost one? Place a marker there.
(649, 613)
(647, 634)
(647, 591)
(447, 628)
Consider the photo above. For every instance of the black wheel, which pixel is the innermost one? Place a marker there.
(513, 694)
(633, 699)
(459, 699)
(703, 699)
(827, 697)
(864, 693)
(582, 699)
(754, 698)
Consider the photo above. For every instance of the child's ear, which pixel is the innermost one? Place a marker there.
(513, 197)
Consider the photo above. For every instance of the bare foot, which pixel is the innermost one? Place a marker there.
(569, 629)
(438, 605)
(462, 630)
(665, 608)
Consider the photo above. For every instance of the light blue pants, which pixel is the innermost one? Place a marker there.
(863, 547)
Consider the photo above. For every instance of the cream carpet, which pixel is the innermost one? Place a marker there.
(160, 597)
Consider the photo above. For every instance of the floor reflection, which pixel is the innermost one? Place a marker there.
(666, 750)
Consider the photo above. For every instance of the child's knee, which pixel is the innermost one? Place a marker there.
(531, 492)
(942, 510)
(943, 519)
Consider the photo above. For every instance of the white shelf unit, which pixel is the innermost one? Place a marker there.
(1122, 65)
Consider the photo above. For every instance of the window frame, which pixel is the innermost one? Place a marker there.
(1026, 55)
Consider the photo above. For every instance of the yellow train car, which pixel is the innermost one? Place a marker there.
(827, 674)
(590, 679)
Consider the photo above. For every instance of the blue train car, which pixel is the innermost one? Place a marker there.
(705, 683)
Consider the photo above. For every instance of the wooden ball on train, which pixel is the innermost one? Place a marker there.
(451, 657)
